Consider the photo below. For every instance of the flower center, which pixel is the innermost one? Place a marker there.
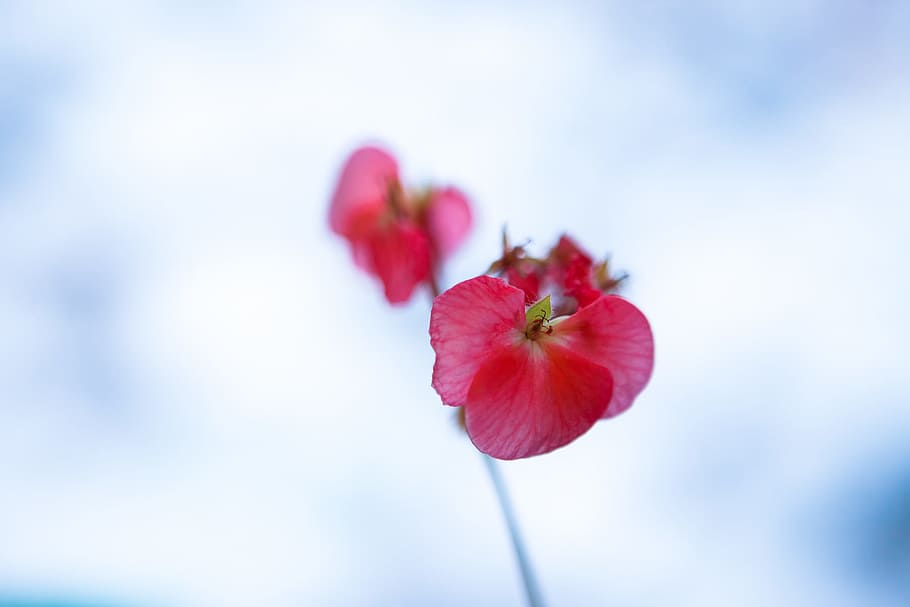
(538, 319)
(398, 199)
(537, 327)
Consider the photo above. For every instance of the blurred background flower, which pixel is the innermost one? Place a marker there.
(401, 236)
(195, 410)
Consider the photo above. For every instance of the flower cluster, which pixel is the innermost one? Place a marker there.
(399, 236)
(533, 377)
(536, 351)
(568, 273)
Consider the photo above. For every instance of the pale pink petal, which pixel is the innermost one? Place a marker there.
(615, 334)
(363, 184)
(400, 255)
(362, 229)
(362, 252)
(470, 322)
(534, 398)
(448, 219)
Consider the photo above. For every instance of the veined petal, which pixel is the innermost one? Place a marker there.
(469, 323)
(613, 333)
(448, 219)
(533, 398)
(363, 184)
(400, 255)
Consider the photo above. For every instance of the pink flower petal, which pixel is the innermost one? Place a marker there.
(468, 323)
(613, 333)
(361, 231)
(566, 250)
(363, 184)
(400, 255)
(529, 282)
(448, 219)
(533, 398)
(577, 281)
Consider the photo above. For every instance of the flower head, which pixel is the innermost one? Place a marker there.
(399, 236)
(531, 383)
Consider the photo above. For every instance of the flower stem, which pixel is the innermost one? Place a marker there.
(521, 555)
(434, 287)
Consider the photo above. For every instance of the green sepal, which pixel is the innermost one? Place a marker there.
(541, 309)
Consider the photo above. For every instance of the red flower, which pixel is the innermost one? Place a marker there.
(530, 384)
(397, 236)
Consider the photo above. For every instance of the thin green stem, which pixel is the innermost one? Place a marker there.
(521, 554)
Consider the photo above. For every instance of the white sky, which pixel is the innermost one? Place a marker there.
(203, 404)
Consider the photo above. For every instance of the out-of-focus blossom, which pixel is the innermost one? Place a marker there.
(519, 269)
(400, 237)
(529, 382)
(568, 273)
(572, 269)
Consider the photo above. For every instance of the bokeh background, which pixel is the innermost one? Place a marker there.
(202, 403)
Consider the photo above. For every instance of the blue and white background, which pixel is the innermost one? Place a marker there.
(202, 404)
